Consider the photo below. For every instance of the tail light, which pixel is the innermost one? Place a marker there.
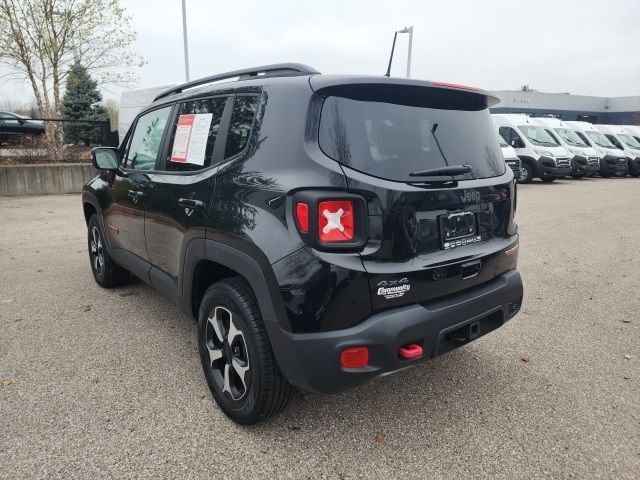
(302, 216)
(331, 221)
(335, 220)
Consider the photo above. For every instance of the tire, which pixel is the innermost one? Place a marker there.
(105, 271)
(526, 174)
(241, 372)
(548, 179)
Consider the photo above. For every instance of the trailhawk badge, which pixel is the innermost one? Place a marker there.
(393, 288)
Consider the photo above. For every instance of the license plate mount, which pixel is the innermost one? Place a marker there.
(458, 229)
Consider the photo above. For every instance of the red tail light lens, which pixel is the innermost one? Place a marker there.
(335, 221)
(356, 357)
(302, 216)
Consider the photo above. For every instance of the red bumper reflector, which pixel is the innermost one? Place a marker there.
(356, 357)
(413, 350)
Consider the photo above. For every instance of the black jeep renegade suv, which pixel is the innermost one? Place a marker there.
(323, 230)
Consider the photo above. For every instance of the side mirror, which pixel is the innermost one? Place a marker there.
(105, 158)
(516, 143)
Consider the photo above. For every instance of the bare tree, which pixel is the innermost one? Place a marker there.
(42, 39)
(112, 107)
(525, 88)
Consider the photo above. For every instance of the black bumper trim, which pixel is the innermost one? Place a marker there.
(311, 360)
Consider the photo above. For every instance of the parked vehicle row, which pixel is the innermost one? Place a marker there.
(551, 148)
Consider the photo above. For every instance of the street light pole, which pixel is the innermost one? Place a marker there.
(408, 30)
(186, 45)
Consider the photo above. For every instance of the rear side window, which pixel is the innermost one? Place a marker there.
(244, 111)
(390, 141)
(145, 141)
(194, 134)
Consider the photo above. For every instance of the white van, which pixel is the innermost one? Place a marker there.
(585, 161)
(625, 141)
(539, 153)
(612, 160)
(510, 157)
(634, 130)
(131, 102)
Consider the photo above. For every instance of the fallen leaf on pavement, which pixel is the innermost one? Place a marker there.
(525, 359)
(5, 381)
(87, 308)
(628, 357)
(626, 320)
(379, 438)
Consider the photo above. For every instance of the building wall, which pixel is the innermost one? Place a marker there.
(615, 111)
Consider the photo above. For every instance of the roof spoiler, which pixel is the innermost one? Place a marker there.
(275, 70)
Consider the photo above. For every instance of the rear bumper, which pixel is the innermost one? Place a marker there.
(611, 165)
(312, 360)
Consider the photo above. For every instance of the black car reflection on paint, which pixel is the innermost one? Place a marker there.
(285, 135)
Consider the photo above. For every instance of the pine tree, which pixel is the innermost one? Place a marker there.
(82, 101)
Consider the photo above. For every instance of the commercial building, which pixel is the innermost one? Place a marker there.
(614, 110)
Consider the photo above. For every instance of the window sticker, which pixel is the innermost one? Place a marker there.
(190, 141)
(181, 139)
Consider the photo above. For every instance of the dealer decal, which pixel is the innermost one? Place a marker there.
(393, 288)
(190, 140)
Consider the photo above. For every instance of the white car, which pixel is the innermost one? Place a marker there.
(625, 141)
(612, 160)
(585, 161)
(540, 154)
(510, 157)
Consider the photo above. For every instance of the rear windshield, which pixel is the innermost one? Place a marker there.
(391, 141)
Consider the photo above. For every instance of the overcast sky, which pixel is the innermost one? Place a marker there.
(589, 47)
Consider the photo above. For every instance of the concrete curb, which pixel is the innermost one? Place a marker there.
(44, 178)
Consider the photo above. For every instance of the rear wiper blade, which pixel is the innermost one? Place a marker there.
(450, 170)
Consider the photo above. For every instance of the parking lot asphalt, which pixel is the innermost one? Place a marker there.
(99, 383)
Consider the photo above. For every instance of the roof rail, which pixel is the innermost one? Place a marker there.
(275, 70)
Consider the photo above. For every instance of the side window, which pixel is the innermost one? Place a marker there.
(146, 139)
(509, 134)
(615, 141)
(244, 111)
(194, 134)
(584, 138)
(553, 135)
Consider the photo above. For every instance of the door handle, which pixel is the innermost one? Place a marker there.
(190, 203)
(136, 194)
(470, 271)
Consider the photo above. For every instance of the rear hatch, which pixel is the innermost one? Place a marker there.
(430, 234)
